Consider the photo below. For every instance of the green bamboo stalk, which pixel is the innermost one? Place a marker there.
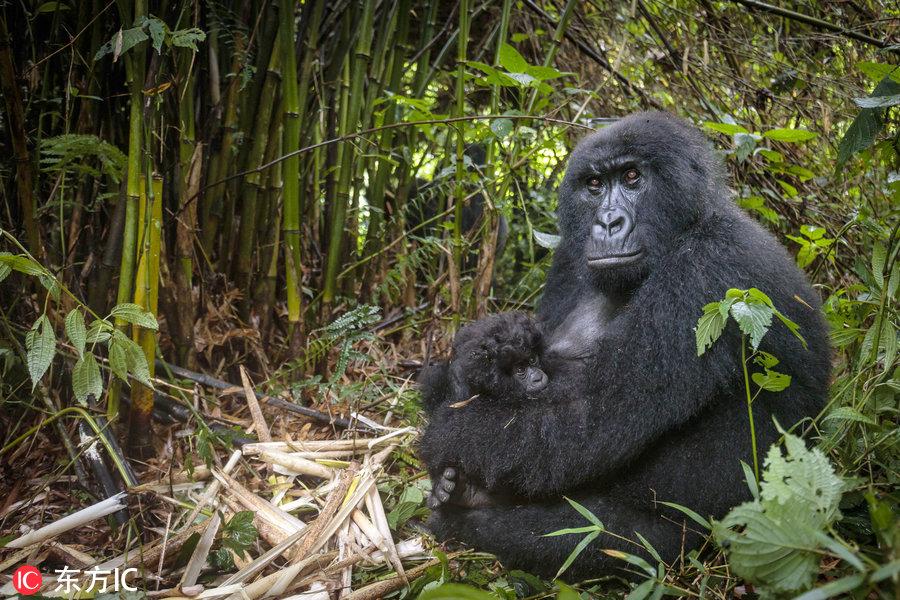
(375, 195)
(250, 189)
(134, 69)
(462, 41)
(485, 270)
(558, 36)
(146, 295)
(345, 175)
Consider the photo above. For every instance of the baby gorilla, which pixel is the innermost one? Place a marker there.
(508, 348)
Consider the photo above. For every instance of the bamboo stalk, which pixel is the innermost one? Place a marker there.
(134, 67)
(146, 295)
(462, 41)
(345, 174)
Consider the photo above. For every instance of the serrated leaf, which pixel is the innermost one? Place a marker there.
(187, 38)
(134, 314)
(510, 59)
(157, 31)
(98, 332)
(118, 359)
(86, 380)
(137, 362)
(546, 240)
(878, 71)
(879, 255)
(709, 327)
(122, 41)
(21, 263)
(76, 331)
(790, 135)
(753, 318)
(40, 346)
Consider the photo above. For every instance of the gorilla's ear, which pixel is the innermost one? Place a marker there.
(434, 382)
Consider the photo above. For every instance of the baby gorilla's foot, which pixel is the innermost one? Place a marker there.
(453, 488)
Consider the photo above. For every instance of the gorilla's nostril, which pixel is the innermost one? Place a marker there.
(616, 225)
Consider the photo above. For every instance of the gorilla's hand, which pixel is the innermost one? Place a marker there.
(453, 488)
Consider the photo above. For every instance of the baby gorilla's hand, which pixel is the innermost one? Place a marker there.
(452, 488)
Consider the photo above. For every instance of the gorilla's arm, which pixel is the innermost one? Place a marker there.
(592, 419)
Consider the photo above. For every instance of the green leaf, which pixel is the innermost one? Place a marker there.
(187, 38)
(631, 559)
(21, 263)
(641, 591)
(98, 332)
(455, 591)
(546, 240)
(86, 380)
(790, 135)
(584, 512)
(696, 518)
(835, 587)
(571, 530)
(510, 59)
(753, 318)
(137, 362)
(132, 313)
(121, 42)
(76, 331)
(118, 359)
(771, 381)
(868, 123)
(40, 346)
(576, 552)
(565, 592)
(878, 71)
(878, 101)
(775, 542)
(709, 327)
(542, 73)
(726, 128)
(848, 413)
(750, 478)
(157, 31)
(501, 127)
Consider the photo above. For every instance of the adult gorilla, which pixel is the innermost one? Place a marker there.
(631, 413)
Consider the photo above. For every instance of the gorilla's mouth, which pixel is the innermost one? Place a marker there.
(602, 261)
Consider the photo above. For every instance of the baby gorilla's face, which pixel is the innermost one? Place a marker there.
(530, 376)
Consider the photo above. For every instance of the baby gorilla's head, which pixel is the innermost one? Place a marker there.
(499, 357)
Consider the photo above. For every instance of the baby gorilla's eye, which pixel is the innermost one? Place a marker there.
(631, 176)
(520, 371)
(594, 182)
(533, 361)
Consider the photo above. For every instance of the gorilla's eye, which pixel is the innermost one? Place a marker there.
(631, 176)
(594, 182)
(520, 371)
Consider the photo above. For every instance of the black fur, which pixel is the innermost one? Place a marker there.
(638, 416)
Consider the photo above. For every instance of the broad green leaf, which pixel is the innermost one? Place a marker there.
(501, 127)
(542, 73)
(753, 318)
(98, 332)
(546, 240)
(455, 591)
(122, 41)
(132, 313)
(86, 380)
(565, 592)
(812, 232)
(21, 263)
(50, 284)
(775, 542)
(878, 71)
(641, 591)
(790, 135)
(709, 327)
(834, 588)
(157, 31)
(750, 478)
(40, 346)
(187, 38)
(878, 101)
(510, 59)
(868, 123)
(771, 381)
(137, 362)
(76, 331)
(879, 255)
(726, 128)
(118, 359)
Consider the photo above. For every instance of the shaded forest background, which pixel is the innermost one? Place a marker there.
(322, 192)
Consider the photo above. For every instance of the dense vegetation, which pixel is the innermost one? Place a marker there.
(282, 187)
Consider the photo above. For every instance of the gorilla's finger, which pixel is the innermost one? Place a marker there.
(443, 495)
(448, 484)
(449, 473)
(432, 502)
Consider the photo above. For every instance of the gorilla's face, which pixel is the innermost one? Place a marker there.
(624, 201)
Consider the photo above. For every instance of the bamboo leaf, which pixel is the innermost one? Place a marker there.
(577, 551)
(76, 331)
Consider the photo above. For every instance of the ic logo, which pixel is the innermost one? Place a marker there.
(27, 580)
